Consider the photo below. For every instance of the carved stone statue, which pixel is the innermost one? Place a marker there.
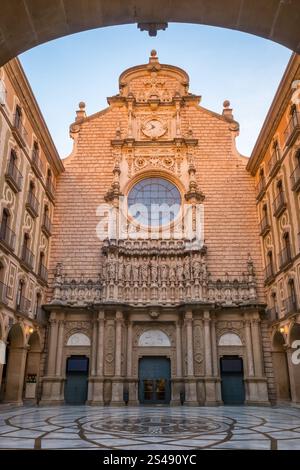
(144, 270)
(135, 270)
(163, 270)
(153, 270)
(187, 270)
(128, 270)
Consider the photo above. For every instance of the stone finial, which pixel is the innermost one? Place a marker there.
(80, 113)
(227, 111)
(153, 53)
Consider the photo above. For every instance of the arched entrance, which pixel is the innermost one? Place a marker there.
(293, 362)
(14, 368)
(32, 368)
(281, 370)
(154, 380)
(47, 20)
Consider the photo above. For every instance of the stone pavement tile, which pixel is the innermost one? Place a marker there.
(45, 428)
(252, 444)
(284, 435)
(289, 444)
(195, 442)
(23, 433)
(61, 435)
(154, 447)
(63, 444)
(116, 442)
(16, 443)
(249, 437)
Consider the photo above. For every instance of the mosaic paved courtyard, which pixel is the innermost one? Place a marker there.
(150, 428)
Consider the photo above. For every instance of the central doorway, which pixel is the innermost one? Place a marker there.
(232, 375)
(154, 380)
(76, 387)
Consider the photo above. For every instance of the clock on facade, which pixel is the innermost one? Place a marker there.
(154, 128)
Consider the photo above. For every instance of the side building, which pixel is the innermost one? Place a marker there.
(275, 164)
(29, 166)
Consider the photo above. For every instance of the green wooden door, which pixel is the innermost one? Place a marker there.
(154, 380)
(233, 391)
(76, 386)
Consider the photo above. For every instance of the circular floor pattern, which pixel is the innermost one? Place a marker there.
(168, 428)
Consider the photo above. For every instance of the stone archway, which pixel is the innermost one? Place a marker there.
(24, 25)
(281, 369)
(32, 370)
(13, 377)
(293, 362)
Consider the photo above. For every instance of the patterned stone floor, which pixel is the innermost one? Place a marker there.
(152, 428)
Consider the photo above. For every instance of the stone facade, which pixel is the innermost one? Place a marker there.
(275, 164)
(189, 295)
(29, 167)
(115, 288)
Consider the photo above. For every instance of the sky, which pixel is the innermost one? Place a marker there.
(222, 64)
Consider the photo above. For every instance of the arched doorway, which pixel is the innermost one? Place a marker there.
(278, 21)
(32, 368)
(14, 368)
(293, 362)
(281, 369)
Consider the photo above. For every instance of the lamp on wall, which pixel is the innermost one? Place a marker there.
(282, 329)
(30, 330)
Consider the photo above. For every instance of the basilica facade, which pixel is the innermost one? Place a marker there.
(155, 290)
(156, 309)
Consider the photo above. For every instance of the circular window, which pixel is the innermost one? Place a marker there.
(154, 202)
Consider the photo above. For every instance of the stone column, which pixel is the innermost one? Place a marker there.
(94, 348)
(210, 382)
(249, 349)
(52, 350)
(60, 347)
(117, 385)
(98, 379)
(257, 385)
(52, 383)
(178, 350)
(215, 361)
(131, 382)
(190, 381)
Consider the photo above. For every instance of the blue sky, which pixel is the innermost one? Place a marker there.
(222, 64)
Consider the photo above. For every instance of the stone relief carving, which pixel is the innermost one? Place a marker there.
(155, 271)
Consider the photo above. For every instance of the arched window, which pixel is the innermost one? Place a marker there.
(269, 272)
(38, 301)
(154, 202)
(42, 270)
(292, 295)
(274, 306)
(6, 234)
(3, 287)
(276, 150)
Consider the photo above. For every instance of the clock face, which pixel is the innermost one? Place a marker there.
(154, 128)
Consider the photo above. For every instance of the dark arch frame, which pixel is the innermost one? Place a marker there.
(26, 24)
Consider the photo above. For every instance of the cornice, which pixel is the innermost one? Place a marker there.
(23, 90)
(275, 113)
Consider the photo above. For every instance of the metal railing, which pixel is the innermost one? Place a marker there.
(14, 176)
(272, 314)
(285, 257)
(27, 257)
(43, 272)
(7, 236)
(269, 272)
(292, 128)
(260, 187)
(32, 204)
(264, 225)
(290, 305)
(3, 293)
(279, 203)
(23, 305)
(37, 162)
(50, 189)
(295, 178)
(19, 127)
(274, 161)
(47, 225)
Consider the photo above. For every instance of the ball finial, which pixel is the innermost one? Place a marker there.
(153, 53)
(81, 105)
(226, 104)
